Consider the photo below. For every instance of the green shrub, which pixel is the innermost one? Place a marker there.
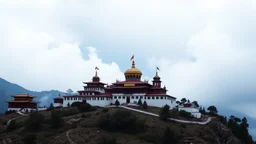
(185, 114)
(120, 120)
(117, 103)
(56, 120)
(164, 112)
(35, 121)
(139, 102)
(50, 108)
(174, 113)
(29, 139)
(85, 107)
(76, 104)
(145, 105)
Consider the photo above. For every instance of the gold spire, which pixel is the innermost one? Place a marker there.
(133, 64)
(156, 73)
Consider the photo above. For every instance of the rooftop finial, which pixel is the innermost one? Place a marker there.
(133, 64)
(96, 71)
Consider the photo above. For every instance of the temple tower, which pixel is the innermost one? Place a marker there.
(157, 81)
(133, 74)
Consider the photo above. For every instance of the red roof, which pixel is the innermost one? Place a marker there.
(113, 87)
(128, 82)
(100, 95)
(23, 95)
(13, 101)
(94, 83)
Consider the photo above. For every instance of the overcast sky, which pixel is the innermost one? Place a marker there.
(204, 48)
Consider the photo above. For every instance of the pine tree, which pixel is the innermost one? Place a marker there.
(68, 104)
(164, 112)
(117, 103)
(139, 102)
(145, 105)
(51, 107)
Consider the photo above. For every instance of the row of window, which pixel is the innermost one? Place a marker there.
(119, 97)
(94, 89)
(88, 98)
(141, 97)
(90, 93)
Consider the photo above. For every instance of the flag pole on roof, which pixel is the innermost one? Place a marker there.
(132, 58)
(157, 68)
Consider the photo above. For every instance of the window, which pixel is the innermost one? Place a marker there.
(123, 97)
(132, 97)
(148, 97)
(141, 97)
(157, 97)
(137, 97)
(115, 97)
(119, 97)
(153, 97)
(161, 97)
(98, 98)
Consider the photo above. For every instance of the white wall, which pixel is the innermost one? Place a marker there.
(57, 104)
(194, 111)
(122, 99)
(24, 110)
(160, 102)
(150, 102)
(197, 114)
(189, 109)
(93, 102)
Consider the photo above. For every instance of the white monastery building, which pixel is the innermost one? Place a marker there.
(97, 93)
(190, 107)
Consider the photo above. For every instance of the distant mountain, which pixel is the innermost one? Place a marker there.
(7, 89)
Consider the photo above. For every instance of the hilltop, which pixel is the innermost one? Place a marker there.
(91, 125)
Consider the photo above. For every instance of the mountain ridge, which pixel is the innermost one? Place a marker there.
(8, 88)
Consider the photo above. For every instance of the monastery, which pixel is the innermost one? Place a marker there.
(22, 102)
(97, 93)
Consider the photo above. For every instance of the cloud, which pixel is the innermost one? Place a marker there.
(205, 49)
(39, 60)
(44, 101)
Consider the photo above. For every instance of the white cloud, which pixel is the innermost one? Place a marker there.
(27, 60)
(205, 49)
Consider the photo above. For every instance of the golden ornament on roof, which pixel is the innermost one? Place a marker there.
(133, 70)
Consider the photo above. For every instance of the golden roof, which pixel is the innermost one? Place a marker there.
(133, 70)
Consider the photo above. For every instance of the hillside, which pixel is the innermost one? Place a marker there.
(108, 126)
(7, 89)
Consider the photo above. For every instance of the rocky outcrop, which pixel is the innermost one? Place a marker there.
(223, 134)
